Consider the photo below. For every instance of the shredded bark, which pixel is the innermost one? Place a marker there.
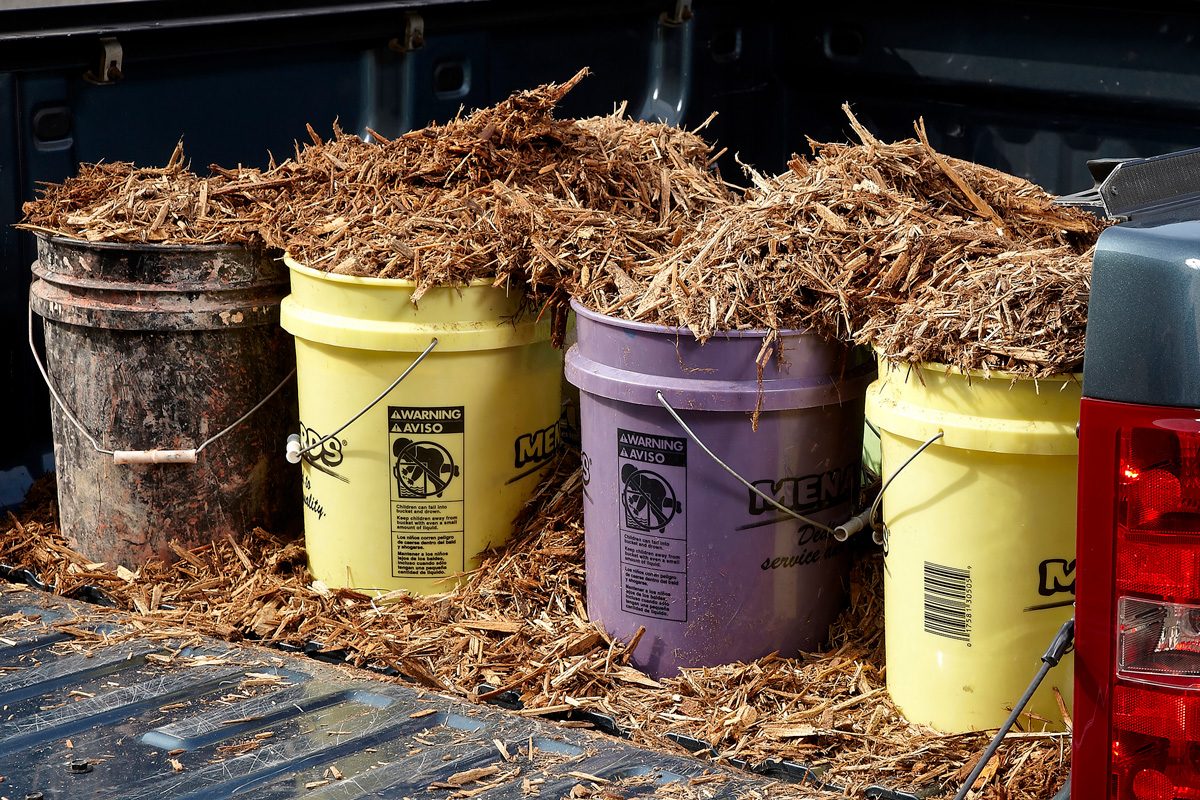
(927, 258)
(170, 205)
(519, 623)
(509, 193)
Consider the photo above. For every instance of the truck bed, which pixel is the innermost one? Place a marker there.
(93, 706)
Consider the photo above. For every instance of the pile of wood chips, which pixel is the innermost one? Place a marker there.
(509, 194)
(926, 257)
(519, 623)
(171, 205)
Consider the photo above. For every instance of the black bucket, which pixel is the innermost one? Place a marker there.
(153, 352)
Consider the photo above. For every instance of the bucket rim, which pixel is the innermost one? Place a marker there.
(671, 330)
(951, 369)
(364, 280)
(146, 247)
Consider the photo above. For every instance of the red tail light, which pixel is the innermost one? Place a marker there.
(1137, 695)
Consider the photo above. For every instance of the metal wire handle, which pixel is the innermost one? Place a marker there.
(863, 519)
(186, 456)
(294, 451)
(771, 500)
(877, 535)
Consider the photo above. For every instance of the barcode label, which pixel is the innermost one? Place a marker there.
(948, 602)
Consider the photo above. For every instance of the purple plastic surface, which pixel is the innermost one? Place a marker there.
(673, 542)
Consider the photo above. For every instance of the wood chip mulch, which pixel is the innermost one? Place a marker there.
(508, 193)
(927, 258)
(519, 623)
(170, 205)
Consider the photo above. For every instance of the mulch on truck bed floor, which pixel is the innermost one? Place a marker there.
(519, 624)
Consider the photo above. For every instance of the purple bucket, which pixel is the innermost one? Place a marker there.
(673, 542)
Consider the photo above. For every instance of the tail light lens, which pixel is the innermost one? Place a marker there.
(1157, 640)
(1153, 595)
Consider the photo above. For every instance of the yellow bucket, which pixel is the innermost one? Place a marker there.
(980, 540)
(410, 492)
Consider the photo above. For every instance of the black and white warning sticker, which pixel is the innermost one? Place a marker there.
(428, 507)
(652, 482)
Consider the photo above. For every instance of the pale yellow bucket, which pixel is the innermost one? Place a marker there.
(979, 540)
(409, 494)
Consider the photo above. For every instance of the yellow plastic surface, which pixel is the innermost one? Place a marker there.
(404, 499)
(985, 516)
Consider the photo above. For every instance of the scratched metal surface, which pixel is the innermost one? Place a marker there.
(106, 720)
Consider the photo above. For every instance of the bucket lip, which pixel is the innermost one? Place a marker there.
(671, 330)
(363, 280)
(951, 369)
(145, 247)
(689, 393)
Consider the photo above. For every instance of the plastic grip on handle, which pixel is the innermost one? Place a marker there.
(154, 456)
(293, 451)
(851, 526)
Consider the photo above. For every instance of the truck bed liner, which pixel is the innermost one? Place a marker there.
(92, 707)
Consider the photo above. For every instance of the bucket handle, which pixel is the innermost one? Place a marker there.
(770, 500)
(294, 451)
(859, 521)
(158, 456)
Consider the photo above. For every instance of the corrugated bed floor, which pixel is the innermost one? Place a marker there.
(92, 708)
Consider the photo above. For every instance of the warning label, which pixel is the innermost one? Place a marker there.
(651, 593)
(653, 551)
(426, 443)
(653, 524)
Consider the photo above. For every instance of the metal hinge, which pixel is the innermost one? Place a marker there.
(414, 35)
(112, 59)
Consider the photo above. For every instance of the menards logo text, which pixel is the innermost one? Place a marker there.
(533, 448)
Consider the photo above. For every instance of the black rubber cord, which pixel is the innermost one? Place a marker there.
(1058, 648)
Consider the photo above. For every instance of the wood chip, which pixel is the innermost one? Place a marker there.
(584, 776)
(460, 779)
(498, 625)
